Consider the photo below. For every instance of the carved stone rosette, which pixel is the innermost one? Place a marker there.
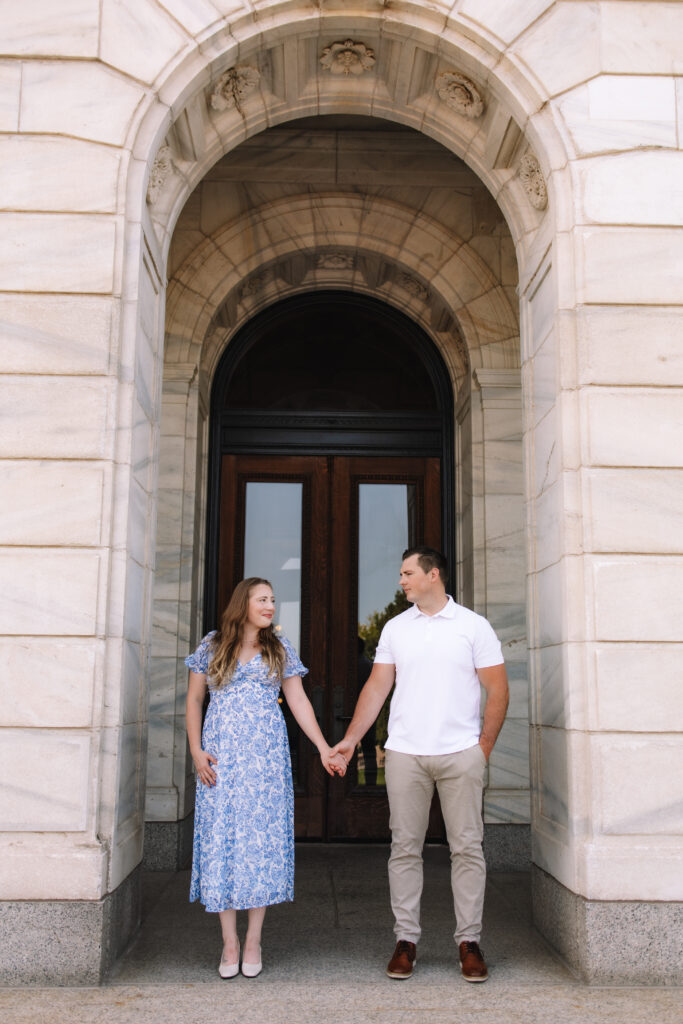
(161, 168)
(233, 88)
(459, 93)
(531, 176)
(413, 287)
(335, 261)
(253, 285)
(347, 58)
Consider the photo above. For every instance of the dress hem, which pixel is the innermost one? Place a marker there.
(251, 906)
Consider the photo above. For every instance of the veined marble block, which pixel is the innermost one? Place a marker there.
(637, 598)
(579, 31)
(66, 334)
(637, 510)
(651, 274)
(40, 28)
(613, 190)
(620, 113)
(68, 99)
(47, 683)
(639, 808)
(49, 592)
(611, 349)
(633, 426)
(38, 174)
(57, 252)
(123, 21)
(72, 492)
(35, 798)
(633, 690)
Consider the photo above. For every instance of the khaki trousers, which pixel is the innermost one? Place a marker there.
(459, 779)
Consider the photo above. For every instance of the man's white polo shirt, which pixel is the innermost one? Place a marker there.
(435, 706)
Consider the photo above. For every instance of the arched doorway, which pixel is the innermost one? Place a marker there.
(379, 240)
(253, 236)
(331, 451)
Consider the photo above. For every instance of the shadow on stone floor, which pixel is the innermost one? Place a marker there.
(341, 921)
(325, 957)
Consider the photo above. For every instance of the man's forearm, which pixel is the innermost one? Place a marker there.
(494, 680)
(494, 716)
(370, 701)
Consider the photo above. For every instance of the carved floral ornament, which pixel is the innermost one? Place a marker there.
(531, 176)
(347, 58)
(161, 168)
(254, 284)
(335, 261)
(413, 287)
(233, 88)
(459, 93)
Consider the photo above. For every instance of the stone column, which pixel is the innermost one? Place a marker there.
(604, 469)
(81, 302)
(499, 584)
(178, 591)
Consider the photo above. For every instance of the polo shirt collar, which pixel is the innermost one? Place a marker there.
(449, 610)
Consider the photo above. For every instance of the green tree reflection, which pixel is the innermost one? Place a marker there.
(370, 631)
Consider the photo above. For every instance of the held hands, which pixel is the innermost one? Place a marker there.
(333, 763)
(202, 764)
(341, 754)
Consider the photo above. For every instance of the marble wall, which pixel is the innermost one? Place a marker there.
(570, 115)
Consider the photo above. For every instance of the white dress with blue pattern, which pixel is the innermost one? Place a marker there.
(243, 852)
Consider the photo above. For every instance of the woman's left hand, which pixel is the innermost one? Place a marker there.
(334, 764)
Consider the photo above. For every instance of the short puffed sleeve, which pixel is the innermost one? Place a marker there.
(198, 661)
(293, 664)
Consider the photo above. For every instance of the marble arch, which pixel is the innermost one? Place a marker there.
(451, 291)
(194, 136)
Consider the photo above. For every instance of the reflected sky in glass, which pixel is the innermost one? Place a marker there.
(272, 547)
(382, 539)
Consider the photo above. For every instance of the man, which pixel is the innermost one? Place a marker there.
(438, 653)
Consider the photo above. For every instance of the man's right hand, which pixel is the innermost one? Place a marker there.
(346, 748)
(370, 701)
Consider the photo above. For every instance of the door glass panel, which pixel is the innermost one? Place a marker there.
(272, 548)
(386, 527)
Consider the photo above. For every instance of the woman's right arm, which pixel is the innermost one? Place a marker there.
(196, 692)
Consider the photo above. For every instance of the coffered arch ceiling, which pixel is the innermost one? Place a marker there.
(309, 241)
(389, 214)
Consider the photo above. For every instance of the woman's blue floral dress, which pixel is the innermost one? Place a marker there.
(244, 825)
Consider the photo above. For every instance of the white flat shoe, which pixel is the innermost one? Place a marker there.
(227, 970)
(252, 970)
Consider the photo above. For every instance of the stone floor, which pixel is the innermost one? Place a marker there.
(324, 960)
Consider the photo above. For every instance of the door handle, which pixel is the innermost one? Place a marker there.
(338, 702)
(317, 698)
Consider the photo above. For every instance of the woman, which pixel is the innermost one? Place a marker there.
(243, 856)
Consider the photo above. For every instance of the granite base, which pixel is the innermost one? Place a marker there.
(67, 942)
(507, 847)
(168, 844)
(610, 942)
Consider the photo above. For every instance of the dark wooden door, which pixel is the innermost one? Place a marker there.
(329, 531)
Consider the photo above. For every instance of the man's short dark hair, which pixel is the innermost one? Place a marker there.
(429, 558)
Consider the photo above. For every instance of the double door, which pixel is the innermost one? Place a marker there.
(328, 532)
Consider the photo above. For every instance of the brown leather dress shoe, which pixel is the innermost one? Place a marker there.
(403, 960)
(472, 962)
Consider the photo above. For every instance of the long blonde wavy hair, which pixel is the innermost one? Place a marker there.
(228, 639)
